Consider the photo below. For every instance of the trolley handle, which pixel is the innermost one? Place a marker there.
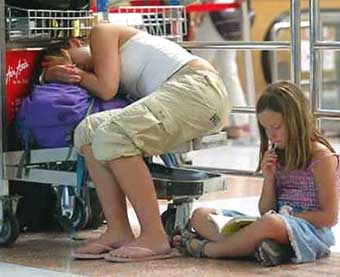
(155, 6)
(212, 7)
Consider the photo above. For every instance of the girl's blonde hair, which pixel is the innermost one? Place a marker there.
(288, 100)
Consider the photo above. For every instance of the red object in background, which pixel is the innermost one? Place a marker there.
(19, 67)
(211, 7)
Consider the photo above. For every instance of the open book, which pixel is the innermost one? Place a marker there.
(230, 225)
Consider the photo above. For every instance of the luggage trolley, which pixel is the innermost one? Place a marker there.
(26, 32)
(180, 186)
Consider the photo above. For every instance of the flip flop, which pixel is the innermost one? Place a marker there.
(140, 254)
(93, 256)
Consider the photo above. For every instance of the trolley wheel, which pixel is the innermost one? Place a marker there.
(77, 220)
(10, 229)
(80, 215)
(168, 219)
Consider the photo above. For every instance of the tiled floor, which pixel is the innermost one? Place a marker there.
(48, 254)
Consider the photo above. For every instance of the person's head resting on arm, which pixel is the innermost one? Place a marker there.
(74, 51)
(285, 119)
(68, 56)
(94, 65)
(53, 50)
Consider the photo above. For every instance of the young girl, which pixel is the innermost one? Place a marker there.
(180, 97)
(299, 199)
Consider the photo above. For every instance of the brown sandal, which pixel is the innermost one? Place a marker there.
(198, 250)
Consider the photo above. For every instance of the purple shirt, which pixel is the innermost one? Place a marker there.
(297, 188)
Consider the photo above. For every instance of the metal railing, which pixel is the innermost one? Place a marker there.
(294, 46)
(317, 45)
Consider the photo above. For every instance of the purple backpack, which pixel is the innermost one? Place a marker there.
(48, 116)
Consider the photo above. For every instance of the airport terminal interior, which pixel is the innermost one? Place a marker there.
(235, 159)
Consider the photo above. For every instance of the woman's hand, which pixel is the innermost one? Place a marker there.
(268, 164)
(61, 69)
(65, 73)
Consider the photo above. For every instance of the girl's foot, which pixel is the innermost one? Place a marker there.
(271, 253)
(190, 243)
(195, 247)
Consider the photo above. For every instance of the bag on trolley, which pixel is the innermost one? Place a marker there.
(48, 116)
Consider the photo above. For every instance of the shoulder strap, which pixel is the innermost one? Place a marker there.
(26, 155)
(88, 112)
(90, 108)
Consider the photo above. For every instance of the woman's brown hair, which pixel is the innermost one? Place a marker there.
(52, 49)
(289, 100)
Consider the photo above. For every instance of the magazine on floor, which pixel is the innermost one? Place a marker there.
(230, 225)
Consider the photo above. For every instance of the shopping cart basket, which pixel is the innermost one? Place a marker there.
(164, 21)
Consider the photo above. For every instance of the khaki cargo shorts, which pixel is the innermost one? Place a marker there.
(191, 103)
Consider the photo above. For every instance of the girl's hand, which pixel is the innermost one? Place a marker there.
(64, 73)
(268, 164)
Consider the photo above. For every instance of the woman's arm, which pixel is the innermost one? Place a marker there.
(325, 178)
(98, 71)
(104, 44)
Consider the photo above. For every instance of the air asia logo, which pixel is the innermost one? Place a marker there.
(14, 72)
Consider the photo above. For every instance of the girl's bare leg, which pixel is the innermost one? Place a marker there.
(245, 241)
(113, 203)
(202, 225)
(200, 220)
(136, 182)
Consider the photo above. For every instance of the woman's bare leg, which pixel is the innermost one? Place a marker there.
(113, 203)
(136, 182)
(245, 241)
